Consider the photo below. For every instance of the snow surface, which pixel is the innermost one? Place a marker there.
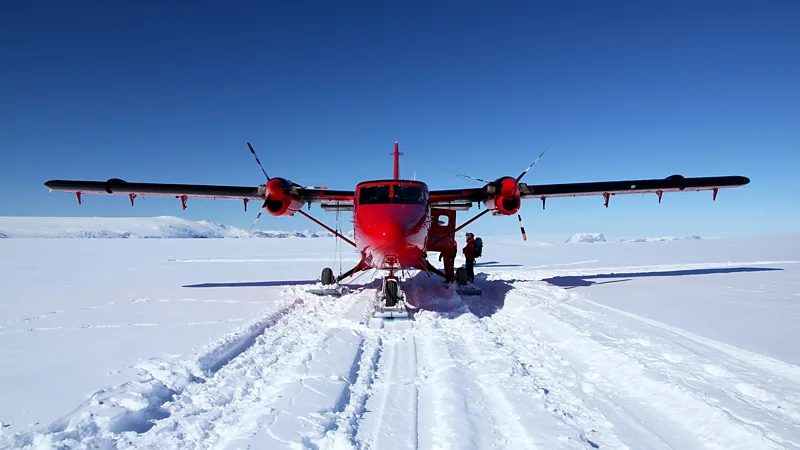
(134, 227)
(586, 238)
(214, 343)
(661, 239)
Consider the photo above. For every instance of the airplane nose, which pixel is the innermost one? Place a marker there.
(392, 233)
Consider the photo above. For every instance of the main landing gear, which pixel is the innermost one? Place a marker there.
(327, 285)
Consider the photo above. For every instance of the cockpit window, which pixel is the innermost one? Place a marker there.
(373, 194)
(408, 194)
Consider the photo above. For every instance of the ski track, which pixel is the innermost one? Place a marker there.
(549, 370)
(689, 391)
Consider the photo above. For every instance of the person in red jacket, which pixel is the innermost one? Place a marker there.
(469, 254)
(449, 257)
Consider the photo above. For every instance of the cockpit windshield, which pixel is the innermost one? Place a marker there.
(412, 195)
(399, 194)
(371, 195)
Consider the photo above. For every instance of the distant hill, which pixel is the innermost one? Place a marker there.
(165, 227)
(586, 238)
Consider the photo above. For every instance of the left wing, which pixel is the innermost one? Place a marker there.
(463, 198)
(329, 199)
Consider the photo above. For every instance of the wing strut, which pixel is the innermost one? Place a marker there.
(336, 233)
(471, 220)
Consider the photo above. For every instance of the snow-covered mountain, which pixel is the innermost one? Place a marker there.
(661, 239)
(586, 238)
(164, 227)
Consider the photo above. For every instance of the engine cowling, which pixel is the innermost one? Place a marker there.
(506, 198)
(278, 203)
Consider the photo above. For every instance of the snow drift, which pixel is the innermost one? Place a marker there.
(134, 227)
(586, 238)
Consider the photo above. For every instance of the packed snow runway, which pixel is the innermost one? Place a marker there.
(214, 343)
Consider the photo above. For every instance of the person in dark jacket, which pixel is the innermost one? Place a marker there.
(449, 257)
(469, 254)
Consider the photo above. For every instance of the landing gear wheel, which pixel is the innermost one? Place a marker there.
(391, 292)
(461, 276)
(327, 278)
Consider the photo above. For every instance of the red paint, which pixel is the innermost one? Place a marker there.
(715, 194)
(659, 193)
(606, 197)
(183, 201)
(396, 155)
(391, 234)
(132, 196)
(277, 202)
(507, 199)
(79, 197)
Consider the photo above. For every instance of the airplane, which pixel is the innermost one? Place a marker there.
(397, 221)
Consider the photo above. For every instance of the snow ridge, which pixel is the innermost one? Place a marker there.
(586, 238)
(164, 227)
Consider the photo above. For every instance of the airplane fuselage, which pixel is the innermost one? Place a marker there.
(391, 223)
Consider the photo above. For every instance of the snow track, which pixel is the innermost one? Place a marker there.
(526, 366)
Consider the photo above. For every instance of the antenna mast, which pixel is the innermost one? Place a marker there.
(396, 155)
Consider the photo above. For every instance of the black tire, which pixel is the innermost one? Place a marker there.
(392, 292)
(461, 276)
(327, 277)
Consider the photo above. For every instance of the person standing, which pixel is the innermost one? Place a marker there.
(448, 256)
(469, 254)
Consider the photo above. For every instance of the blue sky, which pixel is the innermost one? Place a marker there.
(150, 92)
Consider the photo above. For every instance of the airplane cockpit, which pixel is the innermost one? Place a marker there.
(392, 192)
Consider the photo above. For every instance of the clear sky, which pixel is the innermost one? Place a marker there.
(159, 92)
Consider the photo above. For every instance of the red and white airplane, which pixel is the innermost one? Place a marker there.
(397, 222)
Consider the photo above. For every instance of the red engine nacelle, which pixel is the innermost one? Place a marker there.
(506, 199)
(278, 203)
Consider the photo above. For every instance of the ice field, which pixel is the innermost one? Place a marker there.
(214, 343)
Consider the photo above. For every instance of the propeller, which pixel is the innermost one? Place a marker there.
(266, 197)
(521, 226)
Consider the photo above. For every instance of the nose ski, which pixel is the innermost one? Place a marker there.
(391, 301)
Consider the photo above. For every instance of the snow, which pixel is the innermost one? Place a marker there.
(214, 343)
(586, 238)
(661, 239)
(134, 227)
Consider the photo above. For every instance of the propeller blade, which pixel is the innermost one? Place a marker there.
(522, 228)
(472, 178)
(259, 162)
(261, 211)
(529, 167)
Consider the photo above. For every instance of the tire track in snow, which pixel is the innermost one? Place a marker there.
(231, 404)
(524, 386)
(202, 402)
(747, 386)
(624, 379)
(390, 420)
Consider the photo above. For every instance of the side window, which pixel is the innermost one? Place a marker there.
(443, 220)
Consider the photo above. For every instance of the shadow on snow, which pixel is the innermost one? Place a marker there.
(491, 264)
(573, 281)
(426, 293)
(423, 293)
